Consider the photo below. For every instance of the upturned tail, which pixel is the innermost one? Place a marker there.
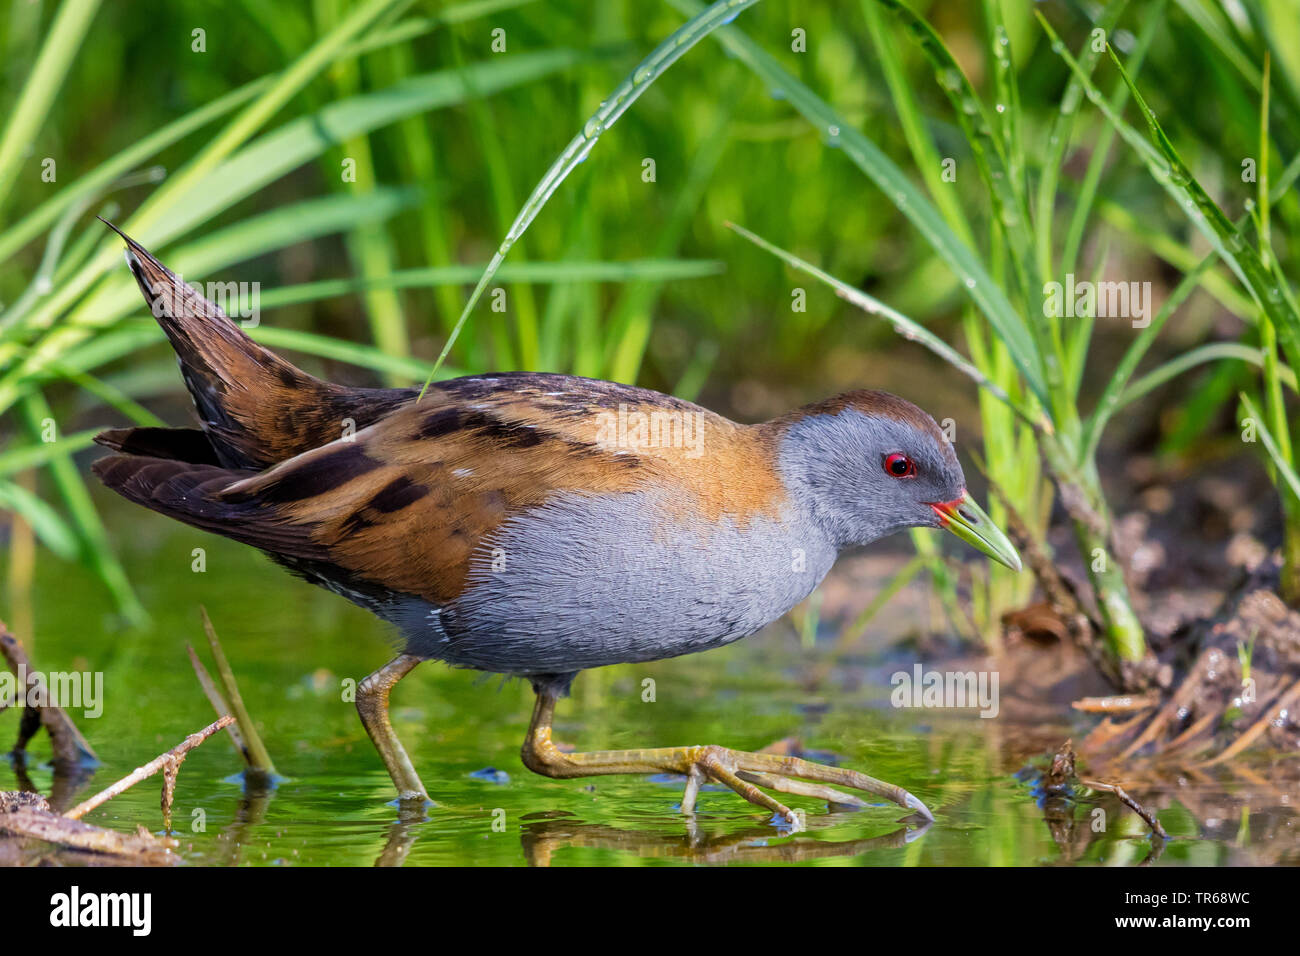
(255, 408)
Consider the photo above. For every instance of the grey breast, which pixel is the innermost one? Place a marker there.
(585, 580)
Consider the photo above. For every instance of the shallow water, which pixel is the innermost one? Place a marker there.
(292, 646)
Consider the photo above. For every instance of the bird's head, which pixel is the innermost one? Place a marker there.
(866, 464)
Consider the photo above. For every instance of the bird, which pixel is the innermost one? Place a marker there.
(536, 525)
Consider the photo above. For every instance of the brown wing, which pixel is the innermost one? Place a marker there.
(402, 505)
(407, 501)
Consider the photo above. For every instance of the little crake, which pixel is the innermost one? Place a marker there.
(536, 525)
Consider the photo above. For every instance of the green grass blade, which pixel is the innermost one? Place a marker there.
(101, 179)
(634, 270)
(1058, 138)
(623, 96)
(368, 243)
(1264, 286)
(1214, 352)
(522, 353)
(691, 382)
(1168, 169)
(109, 395)
(111, 344)
(102, 176)
(1216, 26)
(1152, 25)
(919, 141)
(50, 528)
(95, 548)
(1008, 113)
(1182, 256)
(1002, 183)
(900, 191)
(906, 327)
(299, 141)
(1110, 400)
(287, 84)
(129, 337)
(629, 321)
(42, 86)
(402, 369)
(74, 352)
(252, 237)
(1284, 468)
(14, 460)
(418, 160)
(977, 126)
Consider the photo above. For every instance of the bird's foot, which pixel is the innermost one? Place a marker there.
(745, 772)
(740, 770)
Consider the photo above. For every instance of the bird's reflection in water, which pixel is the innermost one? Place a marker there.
(543, 834)
(250, 813)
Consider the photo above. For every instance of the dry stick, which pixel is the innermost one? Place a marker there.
(1257, 728)
(258, 757)
(170, 769)
(1191, 733)
(70, 748)
(51, 828)
(1143, 812)
(1117, 703)
(171, 758)
(213, 693)
(1181, 698)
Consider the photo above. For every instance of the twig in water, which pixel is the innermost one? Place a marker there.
(213, 693)
(38, 823)
(1147, 816)
(1117, 703)
(255, 751)
(171, 758)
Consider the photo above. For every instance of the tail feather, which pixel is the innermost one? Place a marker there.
(256, 408)
(177, 444)
(192, 493)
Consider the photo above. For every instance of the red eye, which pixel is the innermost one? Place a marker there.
(899, 466)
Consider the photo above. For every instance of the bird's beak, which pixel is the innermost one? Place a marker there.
(967, 520)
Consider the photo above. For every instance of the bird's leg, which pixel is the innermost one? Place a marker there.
(737, 769)
(372, 705)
